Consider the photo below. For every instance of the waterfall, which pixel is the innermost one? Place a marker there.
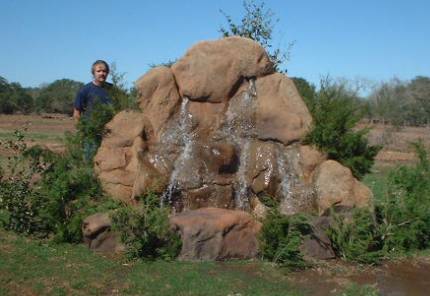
(287, 182)
(242, 136)
(186, 140)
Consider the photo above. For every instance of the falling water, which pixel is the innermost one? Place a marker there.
(242, 135)
(186, 140)
(286, 181)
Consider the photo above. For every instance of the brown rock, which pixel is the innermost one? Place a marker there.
(97, 234)
(281, 113)
(116, 162)
(158, 97)
(335, 185)
(211, 195)
(264, 170)
(216, 234)
(207, 117)
(212, 70)
(317, 245)
(310, 158)
(124, 128)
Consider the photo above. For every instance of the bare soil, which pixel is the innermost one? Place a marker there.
(44, 129)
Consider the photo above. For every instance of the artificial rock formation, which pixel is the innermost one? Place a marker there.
(220, 129)
(216, 234)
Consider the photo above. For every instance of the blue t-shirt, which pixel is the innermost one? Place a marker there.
(91, 94)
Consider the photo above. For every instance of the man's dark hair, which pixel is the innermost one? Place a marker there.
(99, 62)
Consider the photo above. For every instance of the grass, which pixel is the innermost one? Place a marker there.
(34, 136)
(30, 267)
(377, 181)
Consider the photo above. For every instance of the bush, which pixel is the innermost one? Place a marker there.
(19, 208)
(335, 112)
(281, 237)
(145, 230)
(68, 190)
(400, 223)
(404, 212)
(357, 238)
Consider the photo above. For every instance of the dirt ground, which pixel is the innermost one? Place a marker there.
(396, 142)
(44, 129)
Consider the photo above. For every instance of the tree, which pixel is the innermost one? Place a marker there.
(13, 98)
(400, 102)
(58, 97)
(257, 24)
(306, 89)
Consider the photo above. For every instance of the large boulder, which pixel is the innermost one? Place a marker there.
(117, 160)
(216, 234)
(336, 186)
(212, 70)
(158, 97)
(281, 113)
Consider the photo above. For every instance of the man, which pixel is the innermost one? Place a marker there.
(88, 97)
(97, 91)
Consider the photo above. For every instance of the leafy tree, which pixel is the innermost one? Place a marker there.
(13, 98)
(123, 98)
(257, 24)
(400, 102)
(306, 89)
(58, 97)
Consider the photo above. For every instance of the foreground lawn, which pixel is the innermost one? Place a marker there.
(34, 268)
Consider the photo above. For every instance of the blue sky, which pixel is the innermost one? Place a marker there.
(46, 40)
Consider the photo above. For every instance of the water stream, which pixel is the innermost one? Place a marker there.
(183, 132)
(242, 130)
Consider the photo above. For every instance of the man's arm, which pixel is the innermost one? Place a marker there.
(76, 114)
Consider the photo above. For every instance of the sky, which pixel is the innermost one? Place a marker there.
(373, 40)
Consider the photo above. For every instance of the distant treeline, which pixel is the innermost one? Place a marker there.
(56, 97)
(396, 102)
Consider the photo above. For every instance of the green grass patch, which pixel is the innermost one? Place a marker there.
(35, 136)
(35, 267)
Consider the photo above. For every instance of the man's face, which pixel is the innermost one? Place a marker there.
(100, 73)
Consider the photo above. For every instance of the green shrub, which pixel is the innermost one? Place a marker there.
(145, 230)
(336, 111)
(91, 129)
(281, 237)
(356, 238)
(404, 212)
(68, 190)
(20, 208)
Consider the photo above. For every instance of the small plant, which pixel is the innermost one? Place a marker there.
(281, 237)
(145, 230)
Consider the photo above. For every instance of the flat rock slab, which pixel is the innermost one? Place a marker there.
(216, 234)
